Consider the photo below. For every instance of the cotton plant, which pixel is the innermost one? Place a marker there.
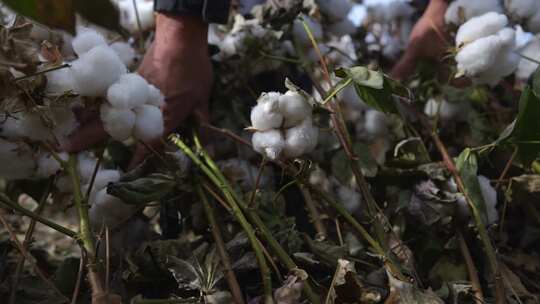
(283, 125)
(460, 11)
(486, 49)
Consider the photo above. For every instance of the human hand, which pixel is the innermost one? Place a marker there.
(428, 40)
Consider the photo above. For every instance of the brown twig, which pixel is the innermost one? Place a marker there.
(471, 269)
(313, 212)
(79, 279)
(257, 181)
(506, 168)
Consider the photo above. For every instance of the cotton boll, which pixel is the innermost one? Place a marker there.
(490, 199)
(522, 9)
(470, 9)
(300, 33)
(480, 26)
(375, 123)
(155, 98)
(478, 56)
(60, 81)
(125, 52)
(148, 123)
(47, 165)
(506, 64)
(342, 28)
(86, 166)
(118, 123)
(130, 91)
(294, 108)
(104, 177)
(269, 143)
(86, 40)
(107, 210)
(349, 198)
(64, 123)
(335, 9)
(17, 160)
(128, 15)
(265, 116)
(431, 108)
(527, 67)
(96, 70)
(533, 24)
(301, 139)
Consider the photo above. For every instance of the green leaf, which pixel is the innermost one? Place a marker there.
(100, 12)
(526, 131)
(379, 99)
(142, 190)
(363, 76)
(54, 13)
(467, 165)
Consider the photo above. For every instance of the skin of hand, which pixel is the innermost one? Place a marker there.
(428, 40)
(179, 65)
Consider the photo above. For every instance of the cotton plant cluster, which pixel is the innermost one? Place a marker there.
(389, 26)
(486, 49)
(283, 125)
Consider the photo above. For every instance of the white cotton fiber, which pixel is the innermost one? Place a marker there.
(522, 9)
(335, 9)
(294, 108)
(128, 15)
(480, 26)
(125, 52)
(155, 97)
(478, 56)
(445, 110)
(300, 33)
(118, 123)
(24, 125)
(490, 199)
(130, 91)
(375, 123)
(47, 165)
(505, 64)
(86, 40)
(16, 159)
(342, 28)
(96, 70)
(349, 198)
(269, 143)
(527, 67)
(104, 177)
(60, 81)
(86, 166)
(265, 115)
(301, 139)
(107, 210)
(470, 9)
(148, 123)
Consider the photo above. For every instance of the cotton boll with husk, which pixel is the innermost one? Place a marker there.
(107, 210)
(460, 11)
(16, 159)
(130, 91)
(294, 108)
(479, 27)
(48, 165)
(269, 143)
(148, 123)
(130, 18)
(118, 123)
(300, 139)
(522, 9)
(85, 166)
(266, 114)
(526, 67)
(478, 56)
(103, 178)
(95, 71)
(60, 81)
(300, 33)
(375, 123)
(125, 52)
(86, 40)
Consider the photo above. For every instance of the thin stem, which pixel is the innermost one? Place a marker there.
(216, 233)
(78, 281)
(471, 269)
(66, 65)
(6, 201)
(257, 181)
(313, 212)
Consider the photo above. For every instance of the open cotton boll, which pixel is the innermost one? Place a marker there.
(335, 9)
(104, 177)
(490, 199)
(300, 33)
(266, 115)
(86, 166)
(480, 26)
(478, 56)
(86, 40)
(96, 70)
(506, 63)
(60, 81)
(128, 15)
(130, 91)
(294, 108)
(470, 9)
(155, 98)
(47, 165)
(375, 123)
(349, 198)
(342, 28)
(522, 9)
(118, 123)
(527, 67)
(148, 123)
(107, 210)
(269, 143)
(125, 52)
(301, 139)
(16, 159)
